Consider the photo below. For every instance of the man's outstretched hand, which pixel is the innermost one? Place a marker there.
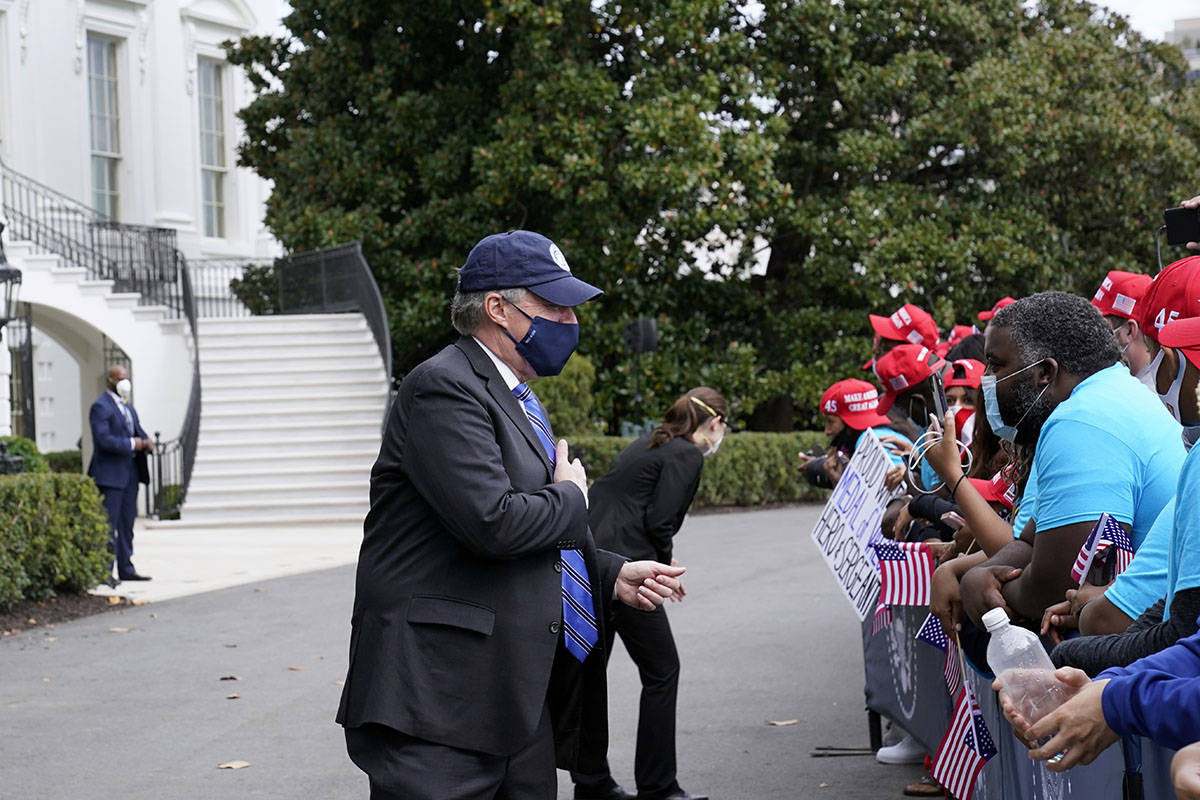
(646, 585)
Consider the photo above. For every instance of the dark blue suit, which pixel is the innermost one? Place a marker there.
(115, 469)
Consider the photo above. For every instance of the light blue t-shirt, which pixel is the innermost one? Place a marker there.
(1183, 563)
(1026, 503)
(1144, 581)
(1108, 447)
(881, 431)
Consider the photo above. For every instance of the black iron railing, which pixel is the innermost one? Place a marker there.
(136, 258)
(211, 278)
(333, 280)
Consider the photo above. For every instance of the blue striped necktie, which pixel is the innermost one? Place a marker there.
(579, 623)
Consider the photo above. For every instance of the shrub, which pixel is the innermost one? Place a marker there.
(258, 289)
(55, 538)
(750, 469)
(65, 461)
(569, 398)
(26, 449)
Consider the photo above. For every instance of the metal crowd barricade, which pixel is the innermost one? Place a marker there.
(904, 683)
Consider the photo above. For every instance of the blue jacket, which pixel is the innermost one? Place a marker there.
(1157, 696)
(113, 457)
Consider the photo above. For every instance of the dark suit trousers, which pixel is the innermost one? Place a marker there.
(403, 767)
(648, 640)
(121, 505)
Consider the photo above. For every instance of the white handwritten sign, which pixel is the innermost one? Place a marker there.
(850, 523)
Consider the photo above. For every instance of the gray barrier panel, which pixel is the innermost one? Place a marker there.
(904, 683)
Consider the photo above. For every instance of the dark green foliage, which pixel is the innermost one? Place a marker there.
(26, 449)
(870, 152)
(750, 469)
(64, 461)
(55, 537)
(258, 289)
(569, 398)
(172, 495)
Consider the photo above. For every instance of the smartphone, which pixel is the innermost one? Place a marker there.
(940, 406)
(816, 451)
(1183, 225)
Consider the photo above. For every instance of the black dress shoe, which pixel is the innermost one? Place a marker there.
(111, 582)
(682, 795)
(615, 793)
(133, 576)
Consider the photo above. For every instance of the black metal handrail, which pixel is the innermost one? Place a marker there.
(333, 280)
(211, 278)
(136, 258)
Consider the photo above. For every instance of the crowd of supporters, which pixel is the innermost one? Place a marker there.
(1061, 410)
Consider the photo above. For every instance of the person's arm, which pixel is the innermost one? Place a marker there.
(1047, 576)
(673, 493)
(991, 533)
(982, 585)
(1148, 634)
(102, 437)
(945, 599)
(1099, 617)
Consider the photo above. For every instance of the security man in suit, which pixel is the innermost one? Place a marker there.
(118, 465)
(476, 647)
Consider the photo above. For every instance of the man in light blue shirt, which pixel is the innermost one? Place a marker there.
(1102, 445)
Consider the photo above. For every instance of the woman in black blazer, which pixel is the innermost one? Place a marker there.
(635, 510)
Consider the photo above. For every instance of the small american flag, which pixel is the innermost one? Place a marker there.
(1106, 533)
(905, 571)
(882, 618)
(932, 632)
(952, 670)
(965, 748)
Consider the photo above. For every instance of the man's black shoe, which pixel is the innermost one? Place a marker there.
(111, 582)
(133, 576)
(682, 795)
(615, 793)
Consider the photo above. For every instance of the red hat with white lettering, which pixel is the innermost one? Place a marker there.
(996, 490)
(1183, 335)
(1001, 303)
(908, 323)
(1119, 292)
(960, 332)
(855, 403)
(904, 367)
(1174, 294)
(964, 372)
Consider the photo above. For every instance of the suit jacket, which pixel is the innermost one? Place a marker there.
(455, 632)
(639, 504)
(113, 456)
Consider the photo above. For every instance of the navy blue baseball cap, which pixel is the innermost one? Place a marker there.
(523, 259)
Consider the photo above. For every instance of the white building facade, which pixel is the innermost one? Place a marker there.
(127, 106)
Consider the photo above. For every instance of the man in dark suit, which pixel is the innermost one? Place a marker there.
(119, 448)
(476, 643)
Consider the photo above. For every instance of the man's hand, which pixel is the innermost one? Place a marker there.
(944, 455)
(894, 476)
(834, 466)
(945, 602)
(645, 585)
(1058, 619)
(572, 471)
(681, 592)
(1185, 772)
(148, 445)
(980, 590)
(1072, 678)
(1077, 729)
(903, 520)
(895, 444)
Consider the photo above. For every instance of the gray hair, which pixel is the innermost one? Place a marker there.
(1061, 326)
(466, 309)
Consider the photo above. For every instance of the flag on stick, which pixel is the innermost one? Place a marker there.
(932, 632)
(905, 573)
(1106, 533)
(965, 748)
(883, 618)
(952, 669)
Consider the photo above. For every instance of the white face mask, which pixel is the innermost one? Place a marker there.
(124, 387)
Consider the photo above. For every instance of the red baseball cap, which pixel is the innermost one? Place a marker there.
(908, 323)
(964, 372)
(855, 403)
(1174, 294)
(1119, 293)
(1183, 335)
(1001, 303)
(960, 332)
(903, 367)
(996, 490)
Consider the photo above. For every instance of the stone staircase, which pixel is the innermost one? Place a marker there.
(290, 420)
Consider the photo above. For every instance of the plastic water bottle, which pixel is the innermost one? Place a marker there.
(1023, 667)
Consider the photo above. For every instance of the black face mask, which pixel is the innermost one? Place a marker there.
(845, 439)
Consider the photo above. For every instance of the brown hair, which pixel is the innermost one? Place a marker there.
(689, 412)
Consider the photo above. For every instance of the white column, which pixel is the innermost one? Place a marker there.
(5, 398)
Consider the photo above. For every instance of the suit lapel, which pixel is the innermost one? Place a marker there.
(500, 392)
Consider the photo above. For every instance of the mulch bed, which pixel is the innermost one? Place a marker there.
(40, 614)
